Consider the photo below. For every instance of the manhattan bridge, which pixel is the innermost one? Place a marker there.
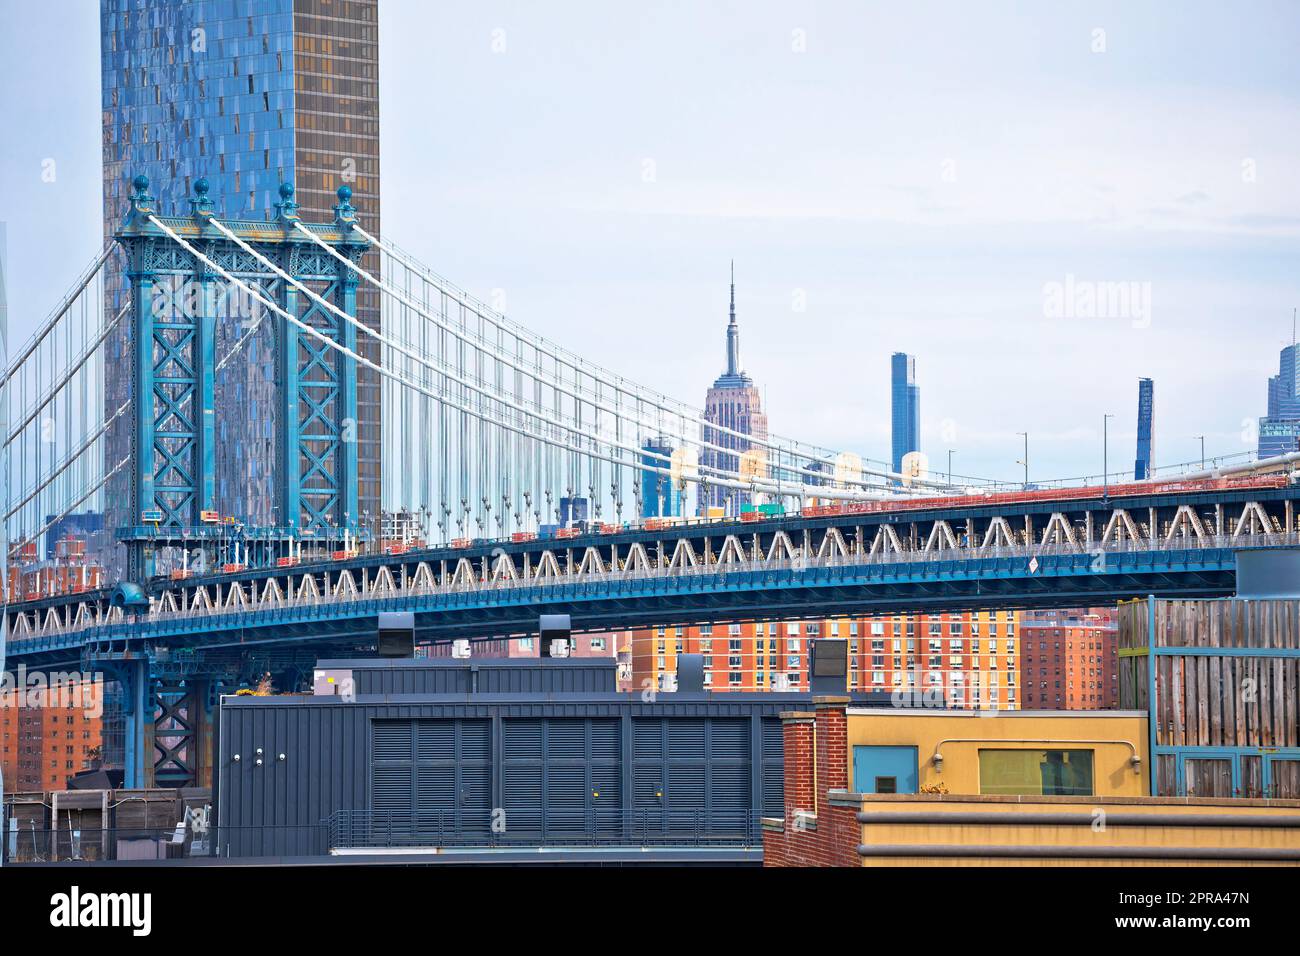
(494, 435)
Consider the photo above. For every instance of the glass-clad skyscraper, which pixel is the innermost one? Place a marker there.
(660, 496)
(905, 407)
(248, 94)
(1146, 414)
(1279, 430)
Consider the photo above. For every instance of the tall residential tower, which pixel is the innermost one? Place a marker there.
(1279, 430)
(905, 407)
(1146, 422)
(248, 94)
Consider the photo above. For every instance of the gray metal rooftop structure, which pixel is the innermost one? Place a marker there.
(497, 756)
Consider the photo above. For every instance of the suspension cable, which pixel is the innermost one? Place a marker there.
(751, 485)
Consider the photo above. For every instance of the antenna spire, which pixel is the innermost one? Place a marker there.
(733, 330)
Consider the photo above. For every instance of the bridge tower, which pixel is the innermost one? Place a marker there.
(178, 300)
(182, 291)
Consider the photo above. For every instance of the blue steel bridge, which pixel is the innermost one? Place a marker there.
(494, 434)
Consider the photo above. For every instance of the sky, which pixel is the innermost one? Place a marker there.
(953, 180)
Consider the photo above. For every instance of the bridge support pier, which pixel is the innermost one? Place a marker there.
(181, 730)
(167, 727)
(135, 679)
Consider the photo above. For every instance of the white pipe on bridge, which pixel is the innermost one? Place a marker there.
(1250, 467)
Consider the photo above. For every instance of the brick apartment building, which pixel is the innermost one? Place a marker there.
(1070, 659)
(41, 747)
(970, 658)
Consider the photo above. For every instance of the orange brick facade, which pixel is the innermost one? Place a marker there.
(41, 747)
(1070, 659)
(971, 658)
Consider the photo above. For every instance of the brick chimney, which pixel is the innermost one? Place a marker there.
(814, 832)
(832, 744)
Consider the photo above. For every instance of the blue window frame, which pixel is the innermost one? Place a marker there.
(883, 769)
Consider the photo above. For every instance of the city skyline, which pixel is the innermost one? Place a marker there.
(1214, 263)
(423, 570)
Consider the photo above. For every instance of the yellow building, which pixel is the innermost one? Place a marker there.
(888, 787)
(1009, 753)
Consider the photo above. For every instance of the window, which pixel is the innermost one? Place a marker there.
(886, 785)
(597, 643)
(1062, 773)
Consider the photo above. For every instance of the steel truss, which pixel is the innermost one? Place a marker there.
(178, 298)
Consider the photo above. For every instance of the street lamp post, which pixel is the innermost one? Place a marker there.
(1202, 438)
(1105, 455)
(950, 467)
(1025, 462)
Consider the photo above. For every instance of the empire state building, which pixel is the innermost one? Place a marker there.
(734, 409)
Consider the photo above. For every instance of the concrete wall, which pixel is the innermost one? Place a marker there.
(931, 830)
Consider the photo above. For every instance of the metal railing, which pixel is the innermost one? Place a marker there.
(702, 575)
(28, 843)
(525, 827)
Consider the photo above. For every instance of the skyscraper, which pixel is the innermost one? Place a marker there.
(660, 497)
(248, 94)
(905, 400)
(1146, 413)
(1279, 430)
(732, 403)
